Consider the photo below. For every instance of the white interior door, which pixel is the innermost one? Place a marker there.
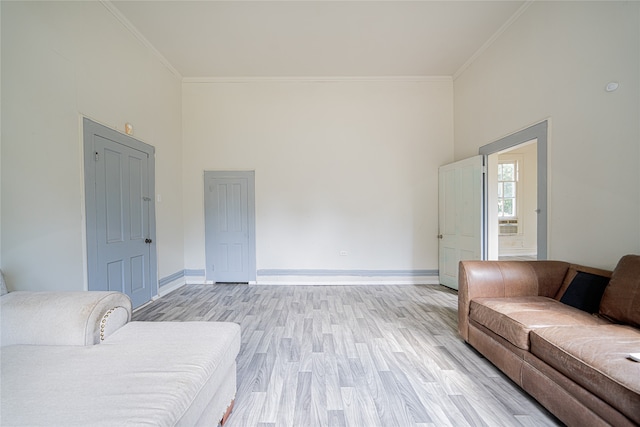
(460, 215)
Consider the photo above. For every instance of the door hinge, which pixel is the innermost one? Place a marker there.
(97, 156)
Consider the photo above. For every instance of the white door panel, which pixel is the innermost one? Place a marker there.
(460, 216)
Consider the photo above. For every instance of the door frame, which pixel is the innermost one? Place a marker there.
(538, 132)
(251, 219)
(89, 128)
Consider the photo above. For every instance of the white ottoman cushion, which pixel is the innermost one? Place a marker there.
(153, 373)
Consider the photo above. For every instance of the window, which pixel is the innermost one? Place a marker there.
(507, 181)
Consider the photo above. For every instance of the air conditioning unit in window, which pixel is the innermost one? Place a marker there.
(508, 226)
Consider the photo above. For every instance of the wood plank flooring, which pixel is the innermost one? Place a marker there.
(362, 356)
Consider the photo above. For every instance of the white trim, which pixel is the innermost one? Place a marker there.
(306, 79)
(83, 207)
(197, 280)
(134, 310)
(346, 273)
(518, 252)
(493, 38)
(346, 281)
(138, 35)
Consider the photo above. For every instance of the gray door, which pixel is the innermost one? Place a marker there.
(229, 226)
(119, 211)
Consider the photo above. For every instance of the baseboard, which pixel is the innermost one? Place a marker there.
(170, 288)
(346, 277)
(324, 281)
(329, 277)
(195, 276)
(170, 283)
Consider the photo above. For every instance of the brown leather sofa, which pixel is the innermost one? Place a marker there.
(522, 316)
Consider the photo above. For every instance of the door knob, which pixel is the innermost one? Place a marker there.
(439, 236)
(148, 241)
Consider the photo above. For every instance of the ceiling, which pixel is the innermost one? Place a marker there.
(205, 39)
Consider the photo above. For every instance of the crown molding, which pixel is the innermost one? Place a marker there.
(138, 35)
(493, 38)
(307, 79)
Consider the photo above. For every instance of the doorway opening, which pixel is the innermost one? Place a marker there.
(516, 195)
(512, 203)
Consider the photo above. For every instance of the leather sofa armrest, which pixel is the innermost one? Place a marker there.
(61, 318)
(478, 279)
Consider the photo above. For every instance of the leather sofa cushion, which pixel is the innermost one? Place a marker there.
(621, 299)
(595, 357)
(513, 318)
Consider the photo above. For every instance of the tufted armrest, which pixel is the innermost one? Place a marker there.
(61, 318)
(478, 279)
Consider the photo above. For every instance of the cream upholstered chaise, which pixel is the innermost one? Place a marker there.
(75, 359)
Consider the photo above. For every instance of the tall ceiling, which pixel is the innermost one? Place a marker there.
(203, 39)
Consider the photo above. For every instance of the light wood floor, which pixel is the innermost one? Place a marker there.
(360, 356)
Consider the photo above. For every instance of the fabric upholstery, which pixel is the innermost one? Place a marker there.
(573, 271)
(513, 318)
(596, 358)
(621, 299)
(585, 291)
(60, 318)
(146, 373)
(219, 404)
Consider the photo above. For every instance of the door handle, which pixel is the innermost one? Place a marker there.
(439, 236)
(148, 241)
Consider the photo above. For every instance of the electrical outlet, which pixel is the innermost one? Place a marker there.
(344, 253)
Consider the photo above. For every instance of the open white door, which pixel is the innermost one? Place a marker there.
(460, 216)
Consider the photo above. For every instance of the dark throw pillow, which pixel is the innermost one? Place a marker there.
(585, 291)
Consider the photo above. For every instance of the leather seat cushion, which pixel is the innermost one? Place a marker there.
(514, 317)
(595, 357)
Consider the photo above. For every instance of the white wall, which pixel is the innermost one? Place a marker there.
(554, 62)
(62, 60)
(340, 165)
